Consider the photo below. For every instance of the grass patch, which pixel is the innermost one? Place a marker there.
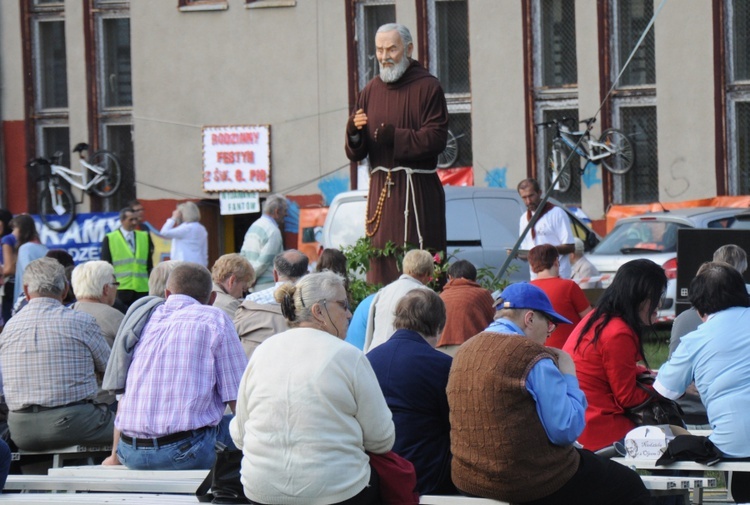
(657, 349)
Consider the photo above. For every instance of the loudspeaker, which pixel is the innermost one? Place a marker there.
(695, 247)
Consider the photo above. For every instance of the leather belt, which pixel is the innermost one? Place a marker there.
(159, 441)
(41, 408)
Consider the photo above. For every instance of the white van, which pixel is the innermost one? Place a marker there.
(481, 223)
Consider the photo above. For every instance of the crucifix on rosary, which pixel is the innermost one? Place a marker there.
(389, 183)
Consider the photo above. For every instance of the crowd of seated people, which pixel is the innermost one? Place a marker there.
(276, 374)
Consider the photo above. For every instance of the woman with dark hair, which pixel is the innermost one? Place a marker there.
(335, 261)
(7, 262)
(29, 248)
(607, 345)
(309, 406)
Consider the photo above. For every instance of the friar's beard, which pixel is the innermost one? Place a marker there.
(394, 72)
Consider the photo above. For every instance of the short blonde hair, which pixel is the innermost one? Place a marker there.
(418, 262)
(232, 264)
(190, 212)
(90, 278)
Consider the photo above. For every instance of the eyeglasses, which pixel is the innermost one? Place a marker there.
(344, 304)
(115, 283)
(550, 325)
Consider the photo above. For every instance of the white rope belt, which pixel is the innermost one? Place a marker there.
(410, 197)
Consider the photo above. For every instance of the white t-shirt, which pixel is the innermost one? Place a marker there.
(552, 228)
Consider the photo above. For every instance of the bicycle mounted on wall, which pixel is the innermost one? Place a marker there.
(57, 206)
(614, 150)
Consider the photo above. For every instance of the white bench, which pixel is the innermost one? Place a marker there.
(723, 466)
(72, 452)
(96, 499)
(658, 485)
(457, 500)
(650, 464)
(122, 472)
(69, 484)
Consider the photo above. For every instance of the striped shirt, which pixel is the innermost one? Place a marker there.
(186, 366)
(262, 243)
(265, 297)
(49, 355)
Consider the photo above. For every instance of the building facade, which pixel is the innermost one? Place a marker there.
(142, 78)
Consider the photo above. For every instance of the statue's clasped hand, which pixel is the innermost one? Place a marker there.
(384, 135)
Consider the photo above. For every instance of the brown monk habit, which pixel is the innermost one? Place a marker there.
(415, 106)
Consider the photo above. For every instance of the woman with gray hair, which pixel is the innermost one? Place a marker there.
(305, 395)
(95, 287)
(189, 237)
(414, 377)
(157, 281)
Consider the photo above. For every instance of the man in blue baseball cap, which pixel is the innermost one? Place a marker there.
(516, 411)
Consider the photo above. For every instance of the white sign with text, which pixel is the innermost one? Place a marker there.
(237, 158)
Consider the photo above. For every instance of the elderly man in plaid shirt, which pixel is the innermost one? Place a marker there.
(49, 356)
(186, 369)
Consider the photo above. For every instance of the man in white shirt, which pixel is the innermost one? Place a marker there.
(552, 227)
(418, 268)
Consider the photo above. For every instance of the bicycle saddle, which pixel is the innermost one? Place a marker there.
(81, 146)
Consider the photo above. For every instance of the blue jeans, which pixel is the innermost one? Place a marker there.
(193, 453)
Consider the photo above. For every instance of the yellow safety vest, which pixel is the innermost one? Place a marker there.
(131, 270)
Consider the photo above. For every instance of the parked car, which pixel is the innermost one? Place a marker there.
(481, 223)
(654, 236)
(741, 221)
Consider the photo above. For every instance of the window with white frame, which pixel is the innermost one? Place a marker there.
(448, 39)
(370, 15)
(114, 85)
(555, 71)
(634, 99)
(736, 26)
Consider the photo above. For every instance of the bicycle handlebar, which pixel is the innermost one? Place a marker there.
(38, 161)
(564, 120)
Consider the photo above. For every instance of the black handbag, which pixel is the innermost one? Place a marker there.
(655, 410)
(223, 480)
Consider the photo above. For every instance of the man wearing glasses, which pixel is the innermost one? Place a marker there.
(516, 411)
(95, 289)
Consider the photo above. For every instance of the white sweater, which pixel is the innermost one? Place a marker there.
(308, 407)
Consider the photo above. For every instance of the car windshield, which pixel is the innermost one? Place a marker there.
(641, 236)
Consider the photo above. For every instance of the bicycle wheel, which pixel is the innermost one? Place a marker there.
(555, 164)
(450, 154)
(57, 207)
(621, 160)
(111, 173)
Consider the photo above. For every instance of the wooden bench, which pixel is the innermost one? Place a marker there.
(72, 452)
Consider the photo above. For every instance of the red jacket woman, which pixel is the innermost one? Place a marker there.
(606, 347)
